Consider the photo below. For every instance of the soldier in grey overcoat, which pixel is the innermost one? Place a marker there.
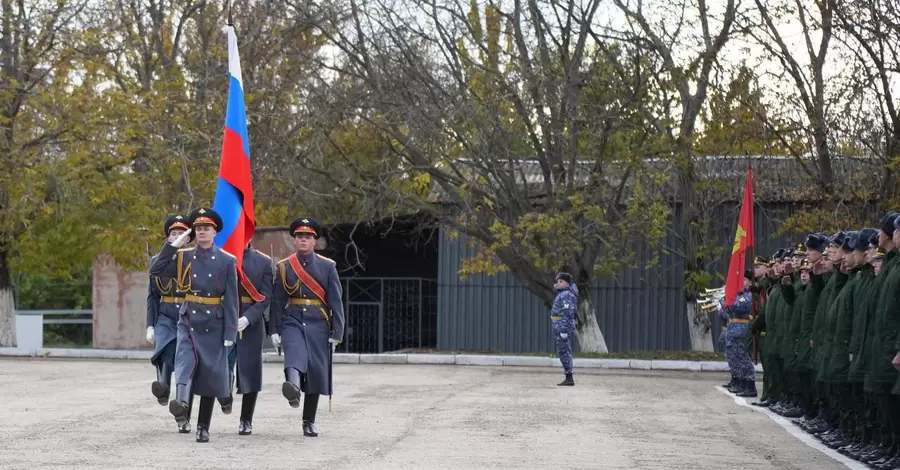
(308, 318)
(163, 302)
(256, 295)
(207, 324)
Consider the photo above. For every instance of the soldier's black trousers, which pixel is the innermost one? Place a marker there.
(248, 405)
(204, 415)
(310, 405)
(807, 385)
(776, 382)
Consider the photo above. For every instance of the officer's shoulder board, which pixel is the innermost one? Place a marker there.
(229, 255)
(264, 255)
(284, 260)
(325, 259)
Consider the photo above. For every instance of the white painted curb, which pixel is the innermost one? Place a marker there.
(433, 359)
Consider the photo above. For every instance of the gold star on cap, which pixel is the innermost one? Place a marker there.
(202, 211)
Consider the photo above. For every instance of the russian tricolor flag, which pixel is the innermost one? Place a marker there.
(234, 191)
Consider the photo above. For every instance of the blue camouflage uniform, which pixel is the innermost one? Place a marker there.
(735, 337)
(562, 316)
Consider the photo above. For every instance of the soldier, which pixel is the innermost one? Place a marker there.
(881, 374)
(816, 244)
(562, 318)
(735, 341)
(862, 407)
(762, 270)
(773, 311)
(792, 295)
(308, 317)
(207, 325)
(256, 293)
(163, 302)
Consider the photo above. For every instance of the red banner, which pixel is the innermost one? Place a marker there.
(743, 239)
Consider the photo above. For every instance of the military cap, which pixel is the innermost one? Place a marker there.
(864, 241)
(838, 238)
(879, 254)
(789, 252)
(778, 254)
(800, 250)
(805, 266)
(888, 223)
(565, 277)
(762, 260)
(815, 241)
(176, 221)
(850, 241)
(206, 216)
(306, 225)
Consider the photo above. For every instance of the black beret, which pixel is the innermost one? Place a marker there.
(887, 223)
(850, 241)
(788, 252)
(815, 242)
(206, 216)
(748, 274)
(778, 254)
(306, 225)
(864, 241)
(565, 277)
(176, 221)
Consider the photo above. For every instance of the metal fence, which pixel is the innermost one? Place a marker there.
(387, 314)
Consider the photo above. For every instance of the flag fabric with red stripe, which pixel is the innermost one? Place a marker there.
(234, 190)
(743, 240)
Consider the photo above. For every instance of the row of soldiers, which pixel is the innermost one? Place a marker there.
(827, 332)
(207, 321)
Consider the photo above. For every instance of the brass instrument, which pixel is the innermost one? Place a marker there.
(709, 300)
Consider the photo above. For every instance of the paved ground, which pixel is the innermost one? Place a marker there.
(100, 414)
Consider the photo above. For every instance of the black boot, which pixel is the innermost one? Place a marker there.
(179, 406)
(569, 382)
(204, 416)
(161, 388)
(310, 406)
(186, 427)
(248, 405)
(730, 383)
(291, 387)
(228, 401)
(749, 389)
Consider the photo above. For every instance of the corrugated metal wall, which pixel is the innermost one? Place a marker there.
(639, 309)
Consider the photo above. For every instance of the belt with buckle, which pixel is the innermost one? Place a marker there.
(739, 320)
(556, 317)
(203, 300)
(246, 299)
(303, 301)
(170, 299)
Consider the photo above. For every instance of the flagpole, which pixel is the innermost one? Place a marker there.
(752, 250)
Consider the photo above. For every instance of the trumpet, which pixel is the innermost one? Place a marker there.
(720, 290)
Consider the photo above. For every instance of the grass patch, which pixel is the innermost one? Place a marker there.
(646, 355)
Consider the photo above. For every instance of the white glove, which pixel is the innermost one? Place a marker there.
(182, 239)
(229, 343)
(150, 335)
(276, 340)
(564, 335)
(333, 343)
(243, 323)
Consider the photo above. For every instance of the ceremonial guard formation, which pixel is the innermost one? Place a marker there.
(307, 317)
(208, 318)
(827, 330)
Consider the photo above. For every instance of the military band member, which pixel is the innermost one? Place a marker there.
(207, 325)
(308, 318)
(163, 302)
(256, 295)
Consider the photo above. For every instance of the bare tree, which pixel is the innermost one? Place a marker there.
(508, 123)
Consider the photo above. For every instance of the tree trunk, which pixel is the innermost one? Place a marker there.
(699, 327)
(590, 337)
(7, 306)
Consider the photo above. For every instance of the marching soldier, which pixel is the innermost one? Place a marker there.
(207, 325)
(308, 317)
(163, 302)
(256, 293)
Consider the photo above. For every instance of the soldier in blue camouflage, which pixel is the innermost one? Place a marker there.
(735, 341)
(562, 316)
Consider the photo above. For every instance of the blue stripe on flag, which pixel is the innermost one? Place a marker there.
(228, 203)
(235, 115)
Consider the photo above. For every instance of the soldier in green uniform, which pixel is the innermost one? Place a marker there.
(771, 362)
(855, 402)
(881, 372)
(792, 292)
(815, 246)
(762, 268)
(835, 359)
